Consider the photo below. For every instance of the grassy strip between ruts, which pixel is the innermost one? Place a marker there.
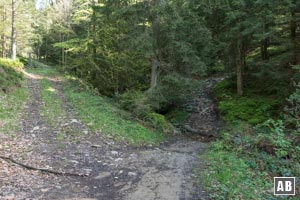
(103, 116)
(11, 105)
(43, 70)
(53, 105)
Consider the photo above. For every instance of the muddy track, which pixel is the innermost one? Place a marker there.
(115, 171)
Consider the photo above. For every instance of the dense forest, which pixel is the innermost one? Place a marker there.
(151, 57)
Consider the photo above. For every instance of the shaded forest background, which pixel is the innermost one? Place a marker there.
(151, 56)
(161, 48)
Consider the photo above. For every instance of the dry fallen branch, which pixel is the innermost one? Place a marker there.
(41, 169)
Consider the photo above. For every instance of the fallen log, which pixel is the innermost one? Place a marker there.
(41, 169)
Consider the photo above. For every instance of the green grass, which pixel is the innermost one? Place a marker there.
(10, 75)
(231, 176)
(11, 105)
(103, 116)
(233, 173)
(43, 70)
(52, 109)
(13, 95)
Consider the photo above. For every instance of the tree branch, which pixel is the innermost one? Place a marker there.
(40, 169)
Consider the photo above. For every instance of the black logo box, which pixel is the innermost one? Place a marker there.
(283, 181)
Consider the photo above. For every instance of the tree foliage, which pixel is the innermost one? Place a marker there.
(161, 47)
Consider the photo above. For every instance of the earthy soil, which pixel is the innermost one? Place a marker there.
(113, 170)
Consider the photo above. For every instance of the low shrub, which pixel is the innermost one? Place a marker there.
(10, 63)
(159, 122)
(139, 105)
(271, 135)
(136, 102)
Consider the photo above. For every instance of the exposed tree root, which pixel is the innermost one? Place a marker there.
(41, 169)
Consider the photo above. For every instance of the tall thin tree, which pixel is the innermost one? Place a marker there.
(3, 33)
(13, 31)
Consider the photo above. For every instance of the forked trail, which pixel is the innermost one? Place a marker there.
(111, 170)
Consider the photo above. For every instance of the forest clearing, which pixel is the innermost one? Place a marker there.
(149, 99)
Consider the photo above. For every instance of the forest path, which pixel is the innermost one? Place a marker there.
(114, 171)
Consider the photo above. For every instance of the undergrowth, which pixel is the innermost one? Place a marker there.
(259, 142)
(237, 169)
(231, 176)
(252, 107)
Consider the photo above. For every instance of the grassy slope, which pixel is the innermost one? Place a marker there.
(96, 111)
(103, 116)
(10, 77)
(12, 95)
(11, 106)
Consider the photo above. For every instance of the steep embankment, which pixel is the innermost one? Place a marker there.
(10, 75)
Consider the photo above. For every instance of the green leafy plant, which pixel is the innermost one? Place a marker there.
(136, 102)
(159, 122)
(292, 110)
(273, 132)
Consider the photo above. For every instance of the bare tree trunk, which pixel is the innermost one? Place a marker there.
(3, 34)
(154, 73)
(46, 50)
(293, 28)
(13, 32)
(3, 45)
(30, 59)
(239, 67)
(94, 50)
(38, 54)
(265, 44)
(239, 79)
(62, 51)
(264, 49)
